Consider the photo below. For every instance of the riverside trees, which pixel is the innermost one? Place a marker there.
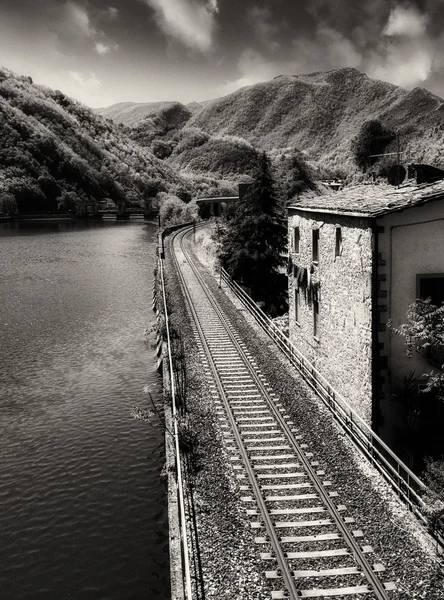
(253, 242)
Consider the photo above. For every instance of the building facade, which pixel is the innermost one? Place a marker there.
(357, 259)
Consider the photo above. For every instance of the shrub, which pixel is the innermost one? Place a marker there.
(8, 205)
(173, 211)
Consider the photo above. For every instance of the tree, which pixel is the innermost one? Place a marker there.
(295, 175)
(254, 241)
(8, 205)
(372, 138)
(424, 333)
(67, 202)
(424, 330)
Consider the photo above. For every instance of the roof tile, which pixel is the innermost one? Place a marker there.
(370, 200)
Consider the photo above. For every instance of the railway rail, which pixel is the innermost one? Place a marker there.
(312, 548)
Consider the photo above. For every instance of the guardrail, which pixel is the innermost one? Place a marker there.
(180, 492)
(406, 484)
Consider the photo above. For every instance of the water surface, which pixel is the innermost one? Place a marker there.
(83, 507)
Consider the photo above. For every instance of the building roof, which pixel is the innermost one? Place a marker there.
(369, 200)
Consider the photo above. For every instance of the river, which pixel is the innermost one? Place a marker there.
(83, 506)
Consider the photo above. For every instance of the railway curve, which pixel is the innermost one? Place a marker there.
(303, 534)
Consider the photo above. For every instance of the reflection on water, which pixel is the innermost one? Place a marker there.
(83, 510)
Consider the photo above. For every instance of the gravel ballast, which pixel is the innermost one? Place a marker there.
(232, 567)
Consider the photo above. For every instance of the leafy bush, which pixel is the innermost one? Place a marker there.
(191, 137)
(8, 205)
(173, 211)
(224, 156)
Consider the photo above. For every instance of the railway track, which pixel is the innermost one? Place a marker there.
(309, 546)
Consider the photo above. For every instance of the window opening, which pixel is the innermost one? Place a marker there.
(338, 248)
(315, 247)
(296, 239)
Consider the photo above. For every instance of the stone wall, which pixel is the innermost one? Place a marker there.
(342, 349)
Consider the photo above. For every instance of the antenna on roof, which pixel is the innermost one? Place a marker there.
(397, 173)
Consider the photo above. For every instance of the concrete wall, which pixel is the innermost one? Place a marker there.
(342, 351)
(411, 243)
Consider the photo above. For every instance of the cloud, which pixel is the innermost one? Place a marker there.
(77, 22)
(328, 49)
(105, 48)
(403, 65)
(406, 54)
(253, 68)
(191, 22)
(112, 12)
(260, 19)
(88, 82)
(406, 21)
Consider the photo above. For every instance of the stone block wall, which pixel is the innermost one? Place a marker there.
(342, 349)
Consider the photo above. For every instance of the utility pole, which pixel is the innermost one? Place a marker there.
(397, 158)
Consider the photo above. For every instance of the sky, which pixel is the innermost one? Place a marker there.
(107, 51)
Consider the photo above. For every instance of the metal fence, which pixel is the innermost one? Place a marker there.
(406, 484)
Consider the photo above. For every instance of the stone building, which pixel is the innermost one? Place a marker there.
(357, 258)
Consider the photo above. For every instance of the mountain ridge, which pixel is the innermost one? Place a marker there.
(320, 113)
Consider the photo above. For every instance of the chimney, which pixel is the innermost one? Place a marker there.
(427, 173)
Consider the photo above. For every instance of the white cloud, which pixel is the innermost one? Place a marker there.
(191, 22)
(77, 21)
(105, 48)
(88, 82)
(253, 68)
(112, 12)
(406, 21)
(406, 55)
(327, 50)
(405, 64)
(260, 19)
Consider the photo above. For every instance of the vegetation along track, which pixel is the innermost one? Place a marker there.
(305, 536)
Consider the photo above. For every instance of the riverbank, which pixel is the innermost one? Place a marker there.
(398, 541)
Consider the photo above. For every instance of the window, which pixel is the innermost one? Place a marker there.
(296, 239)
(431, 286)
(315, 246)
(297, 305)
(315, 318)
(338, 247)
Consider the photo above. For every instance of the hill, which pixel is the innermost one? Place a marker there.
(131, 114)
(320, 113)
(54, 150)
(227, 157)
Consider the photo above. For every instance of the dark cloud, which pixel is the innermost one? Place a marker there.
(196, 49)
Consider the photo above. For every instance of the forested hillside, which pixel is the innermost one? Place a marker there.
(53, 150)
(319, 114)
